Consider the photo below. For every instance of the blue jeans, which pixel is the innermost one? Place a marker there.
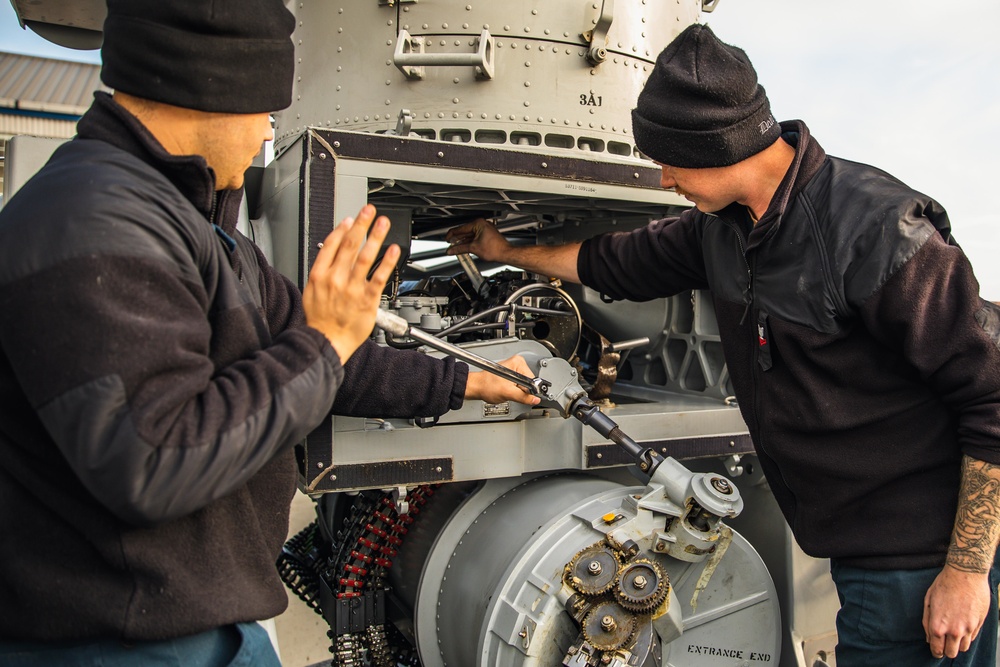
(242, 645)
(880, 623)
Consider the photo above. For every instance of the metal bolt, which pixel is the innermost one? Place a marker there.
(594, 567)
(319, 464)
(608, 623)
(722, 485)
(640, 582)
(322, 156)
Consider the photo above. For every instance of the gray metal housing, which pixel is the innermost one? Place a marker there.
(358, 69)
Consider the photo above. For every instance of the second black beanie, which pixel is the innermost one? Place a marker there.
(702, 106)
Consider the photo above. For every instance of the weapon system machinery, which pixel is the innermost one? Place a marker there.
(503, 535)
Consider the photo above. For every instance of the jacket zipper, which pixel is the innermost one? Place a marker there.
(215, 208)
(228, 241)
(748, 292)
(754, 370)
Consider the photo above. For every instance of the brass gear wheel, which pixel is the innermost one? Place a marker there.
(593, 570)
(642, 586)
(607, 626)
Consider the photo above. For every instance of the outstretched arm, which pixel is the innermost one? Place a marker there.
(959, 599)
(483, 240)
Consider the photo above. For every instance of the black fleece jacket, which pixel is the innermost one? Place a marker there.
(863, 359)
(155, 372)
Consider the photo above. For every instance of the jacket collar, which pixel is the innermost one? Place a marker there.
(809, 158)
(111, 123)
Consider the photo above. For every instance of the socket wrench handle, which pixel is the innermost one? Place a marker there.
(400, 328)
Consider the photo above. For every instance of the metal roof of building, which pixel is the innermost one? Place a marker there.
(47, 85)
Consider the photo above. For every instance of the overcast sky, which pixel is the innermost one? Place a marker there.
(910, 86)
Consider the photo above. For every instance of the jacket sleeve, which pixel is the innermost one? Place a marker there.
(111, 324)
(661, 259)
(930, 309)
(385, 382)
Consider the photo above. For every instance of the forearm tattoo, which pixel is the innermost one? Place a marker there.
(977, 523)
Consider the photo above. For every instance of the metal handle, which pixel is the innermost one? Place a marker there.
(622, 346)
(399, 327)
(410, 58)
(598, 36)
(471, 270)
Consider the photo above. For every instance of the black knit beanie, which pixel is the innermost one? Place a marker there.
(702, 106)
(229, 56)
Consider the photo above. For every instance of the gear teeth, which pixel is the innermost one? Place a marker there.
(608, 637)
(590, 582)
(646, 598)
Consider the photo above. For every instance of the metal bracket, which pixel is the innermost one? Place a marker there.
(399, 499)
(410, 58)
(708, 6)
(598, 36)
(404, 122)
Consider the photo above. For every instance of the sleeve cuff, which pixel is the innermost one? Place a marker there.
(458, 387)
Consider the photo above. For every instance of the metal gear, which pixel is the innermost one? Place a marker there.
(642, 586)
(593, 570)
(607, 626)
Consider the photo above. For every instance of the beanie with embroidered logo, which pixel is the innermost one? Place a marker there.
(227, 56)
(702, 106)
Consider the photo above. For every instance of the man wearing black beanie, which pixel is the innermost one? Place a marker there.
(155, 371)
(865, 363)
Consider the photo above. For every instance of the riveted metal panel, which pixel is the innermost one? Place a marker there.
(544, 93)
